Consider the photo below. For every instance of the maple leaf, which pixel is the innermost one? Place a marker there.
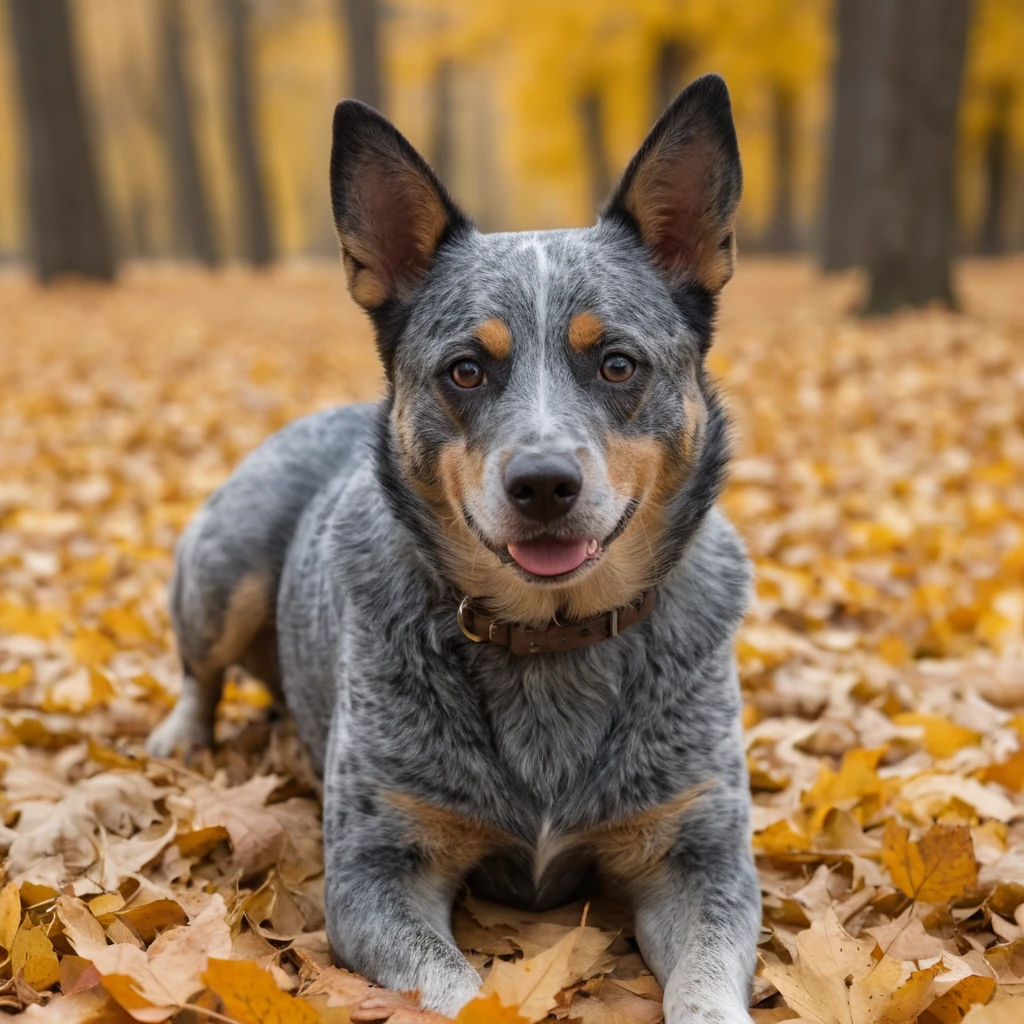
(938, 868)
(533, 985)
(837, 979)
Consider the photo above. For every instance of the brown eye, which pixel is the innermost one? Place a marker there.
(467, 374)
(617, 369)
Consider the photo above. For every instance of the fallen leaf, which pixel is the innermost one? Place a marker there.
(251, 996)
(938, 868)
(837, 979)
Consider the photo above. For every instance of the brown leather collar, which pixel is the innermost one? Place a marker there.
(481, 628)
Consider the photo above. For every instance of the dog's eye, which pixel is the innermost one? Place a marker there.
(467, 374)
(617, 369)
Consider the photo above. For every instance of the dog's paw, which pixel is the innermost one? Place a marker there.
(182, 732)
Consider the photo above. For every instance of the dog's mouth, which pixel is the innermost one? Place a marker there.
(549, 559)
(549, 556)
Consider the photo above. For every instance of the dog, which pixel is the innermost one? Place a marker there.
(501, 602)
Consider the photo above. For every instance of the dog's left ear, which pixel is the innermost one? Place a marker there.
(681, 189)
(390, 210)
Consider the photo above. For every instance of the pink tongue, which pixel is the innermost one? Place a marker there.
(549, 557)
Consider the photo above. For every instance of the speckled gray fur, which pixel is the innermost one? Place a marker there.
(388, 694)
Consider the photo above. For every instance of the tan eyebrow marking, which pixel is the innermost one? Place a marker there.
(495, 336)
(585, 331)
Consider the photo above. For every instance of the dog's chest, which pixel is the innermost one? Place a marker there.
(548, 717)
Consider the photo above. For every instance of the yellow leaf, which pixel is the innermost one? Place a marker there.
(942, 738)
(857, 777)
(29, 942)
(16, 678)
(938, 868)
(42, 972)
(950, 1007)
(126, 625)
(489, 1011)
(251, 996)
(780, 838)
(1009, 773)
(91, 647)
(200, 841)
(10, 914)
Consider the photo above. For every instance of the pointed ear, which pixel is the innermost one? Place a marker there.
(390, 211)
(681, 189)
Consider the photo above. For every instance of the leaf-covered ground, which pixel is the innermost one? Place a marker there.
(880, 486)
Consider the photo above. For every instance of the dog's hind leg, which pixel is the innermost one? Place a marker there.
(219, 609)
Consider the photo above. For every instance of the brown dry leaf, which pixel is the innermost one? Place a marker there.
(938, 868)
(341, 987)
(837, 979)
(153, 984)
(533, 985)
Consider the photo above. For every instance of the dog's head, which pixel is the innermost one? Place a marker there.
(552, 434)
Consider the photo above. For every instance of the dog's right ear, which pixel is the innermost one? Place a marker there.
(681, 190)
(390, 210)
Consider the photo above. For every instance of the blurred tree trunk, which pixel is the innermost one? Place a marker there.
(593, 142)
(193, 211)
(253, 209)
(853, 142)
(670, 73)
(911, 219)
(363, 19)
(70, 232)
(442, 148)
(997, 164)
(780, 235)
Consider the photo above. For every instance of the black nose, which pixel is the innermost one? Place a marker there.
(543, 486)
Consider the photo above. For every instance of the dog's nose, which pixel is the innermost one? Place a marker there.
(543, 486)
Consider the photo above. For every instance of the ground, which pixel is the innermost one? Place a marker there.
(879, 483)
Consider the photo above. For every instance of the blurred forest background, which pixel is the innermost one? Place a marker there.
(142, 129)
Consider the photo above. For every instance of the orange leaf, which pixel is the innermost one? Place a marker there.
(938, 868)
(251, 995)
(489, 1011)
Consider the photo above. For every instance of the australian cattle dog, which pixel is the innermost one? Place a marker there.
(500, 603)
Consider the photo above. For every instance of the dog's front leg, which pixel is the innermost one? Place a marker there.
(698, 915)
(388, 909)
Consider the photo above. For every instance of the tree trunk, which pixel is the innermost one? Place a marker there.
(442, 148)
(193, 212)
(363, 18)
(911, 220)
(593, 142)
(997, 164)
(69, 228)
(253, 210)
(853, 141)
(669, 73)
(781, 233)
